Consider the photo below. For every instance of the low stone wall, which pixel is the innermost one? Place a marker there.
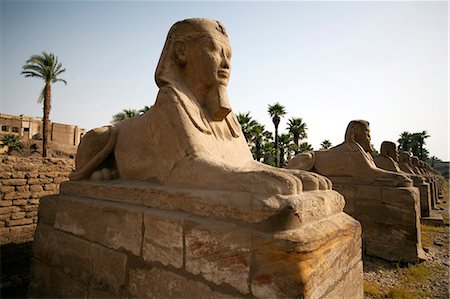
(23, 181)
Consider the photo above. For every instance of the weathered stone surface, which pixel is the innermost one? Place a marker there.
(17, 234)
(14, 182)
(148, 284)
(220, 254)
(49, 282)
(80, 259)
(392, 213)
(308, 262)
(163, 239)
(118, 226)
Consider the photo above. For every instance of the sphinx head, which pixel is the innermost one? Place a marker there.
(358, 131)
(405, 157)
(388, 149)
(196, 58)
(415, 161)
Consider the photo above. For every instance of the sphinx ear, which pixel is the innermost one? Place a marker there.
(180, 52)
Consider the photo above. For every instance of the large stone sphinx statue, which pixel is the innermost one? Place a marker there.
(190, 137)
(383, 201)
(389, 160)
(174, 196)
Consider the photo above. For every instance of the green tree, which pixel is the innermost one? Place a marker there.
(124, 114)
(404, 142)
(276, 111)
(46, 67)
(414, 142)
(145, 109)
(297, 128)
(12, 142)
(326, 144)
(419, 140)
(247, 124)
(259, 136)
(305, 147)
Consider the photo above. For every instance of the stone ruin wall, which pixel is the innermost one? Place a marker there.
(23, 181)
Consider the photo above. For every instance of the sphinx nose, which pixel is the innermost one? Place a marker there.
(225, 62)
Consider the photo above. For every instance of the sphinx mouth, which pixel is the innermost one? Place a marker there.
(223, 74)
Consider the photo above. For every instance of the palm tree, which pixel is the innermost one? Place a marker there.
(404, 142)
(124, 114)
(258, 134)
(247, 123)
(297, 128)
(326, 144)
(419, 139)
(46, 67)
(276, 111)
(305, 147)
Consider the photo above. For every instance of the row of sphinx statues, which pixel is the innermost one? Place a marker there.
(300, 241)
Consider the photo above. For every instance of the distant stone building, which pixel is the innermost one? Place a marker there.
(31, 128)
(443, 168)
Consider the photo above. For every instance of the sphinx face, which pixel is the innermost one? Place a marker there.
(362, 136)
(393, 153)
(208, 60)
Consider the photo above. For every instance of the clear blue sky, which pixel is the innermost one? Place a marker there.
(327, 62)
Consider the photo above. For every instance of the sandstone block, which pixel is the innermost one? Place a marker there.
(33, 201)
(16, 222)
(36, 188)
(31, 214)
(48, 282)
(307, 262)
(5, 203)
(29, 207)
(20, 202)
(31, 175)
(5, 174)
(18, 175)
(145, 283)
(50, 187)
(9, 210)
(119, 226)
(18, 215)
(7, 189)
(39, 181)
(25, 188)
(14, 182)
(163, 239)
(82, 260)
(219, 254)
(17, 234)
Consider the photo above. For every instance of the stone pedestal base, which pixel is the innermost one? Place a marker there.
(132, 239)
(389, 218)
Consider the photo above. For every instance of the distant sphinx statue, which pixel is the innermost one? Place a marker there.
(351, 159)
(389, 160)
(384, 201)
(190, 137)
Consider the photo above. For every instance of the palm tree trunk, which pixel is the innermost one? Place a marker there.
(296, 144)
(46, 119)
(277, 147)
